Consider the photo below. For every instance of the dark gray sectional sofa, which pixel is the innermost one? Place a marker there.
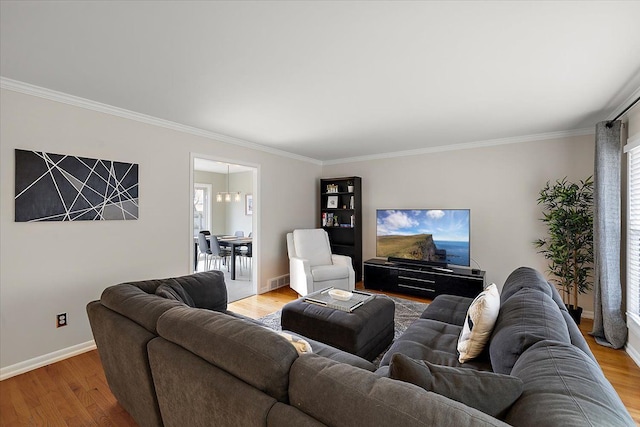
(197, 364)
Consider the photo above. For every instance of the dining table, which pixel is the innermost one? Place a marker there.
(231, 242)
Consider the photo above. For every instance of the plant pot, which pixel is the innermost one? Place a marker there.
(575, 313)
(350, 188)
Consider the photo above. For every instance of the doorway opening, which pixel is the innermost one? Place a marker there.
(224, 194)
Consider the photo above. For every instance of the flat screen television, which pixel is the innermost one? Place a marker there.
(429, 236)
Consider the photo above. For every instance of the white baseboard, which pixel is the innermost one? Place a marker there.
(46, 359)
(587, 314)
(633, 343)
(633, 353)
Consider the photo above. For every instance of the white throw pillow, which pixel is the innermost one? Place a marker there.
(479, 323)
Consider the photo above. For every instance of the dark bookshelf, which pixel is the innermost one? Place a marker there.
(341, 217)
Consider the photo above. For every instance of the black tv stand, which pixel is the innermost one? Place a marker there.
(422, 279)
(401, 261)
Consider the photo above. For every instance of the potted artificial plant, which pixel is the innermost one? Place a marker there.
(568, 215)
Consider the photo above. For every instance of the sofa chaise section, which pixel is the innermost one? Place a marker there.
(224, 371)
(123, 322)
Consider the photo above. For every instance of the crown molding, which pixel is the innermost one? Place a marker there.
(29, 89)
(466, 146)
(635, 95)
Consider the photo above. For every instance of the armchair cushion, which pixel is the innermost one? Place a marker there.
(313, 245)
(322, 273)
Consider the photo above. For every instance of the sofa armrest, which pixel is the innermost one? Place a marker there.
(341, 259)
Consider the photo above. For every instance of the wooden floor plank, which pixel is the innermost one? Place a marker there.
(8, 412)
(74, 392)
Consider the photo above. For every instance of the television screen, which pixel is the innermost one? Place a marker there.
(429, 235)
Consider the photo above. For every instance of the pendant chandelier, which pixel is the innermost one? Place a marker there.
(227, 194)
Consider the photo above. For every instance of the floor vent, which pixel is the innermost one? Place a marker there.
(278, 282)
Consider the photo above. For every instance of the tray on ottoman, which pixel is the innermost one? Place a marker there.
(324, 298)
(365, 332)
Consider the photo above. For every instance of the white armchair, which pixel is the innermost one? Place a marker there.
(312, 266)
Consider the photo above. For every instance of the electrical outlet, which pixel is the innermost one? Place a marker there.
(61, 320)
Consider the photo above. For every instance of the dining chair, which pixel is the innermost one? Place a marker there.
(247, 254)
(204, 248)
(241, 250)
(218, 252)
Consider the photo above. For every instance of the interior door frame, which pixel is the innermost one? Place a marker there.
(255, 220)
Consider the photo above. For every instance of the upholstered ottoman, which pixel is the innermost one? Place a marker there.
(365, 332)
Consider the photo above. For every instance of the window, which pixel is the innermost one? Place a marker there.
(633, 231)
(201, 208)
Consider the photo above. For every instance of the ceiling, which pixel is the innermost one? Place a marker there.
(336, 80)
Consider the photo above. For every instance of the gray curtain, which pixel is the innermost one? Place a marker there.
(609, 326)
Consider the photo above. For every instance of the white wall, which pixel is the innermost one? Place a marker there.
(49, 268)
(500, 185)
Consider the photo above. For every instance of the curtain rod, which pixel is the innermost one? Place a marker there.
(610, 122)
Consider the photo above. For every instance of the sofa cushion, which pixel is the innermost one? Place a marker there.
(325, 350)
(340, 395)
(488, 392)
(313, 245)
(286, 415)
(138, 303)
(563, 386)
(448, 308)
(478, 325)
(253, 353)
(527, 317)
(434, 341)
(175, 292)
(207, 289)
(301, 345)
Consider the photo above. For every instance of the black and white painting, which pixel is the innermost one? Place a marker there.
(59, 187)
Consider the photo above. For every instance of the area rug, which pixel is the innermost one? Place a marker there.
(406, 313)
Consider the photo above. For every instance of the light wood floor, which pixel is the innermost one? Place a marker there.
(74, 392)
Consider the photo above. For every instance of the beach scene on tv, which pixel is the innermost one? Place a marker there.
(433, 235)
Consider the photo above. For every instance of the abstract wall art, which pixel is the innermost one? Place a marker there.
(59, 187)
